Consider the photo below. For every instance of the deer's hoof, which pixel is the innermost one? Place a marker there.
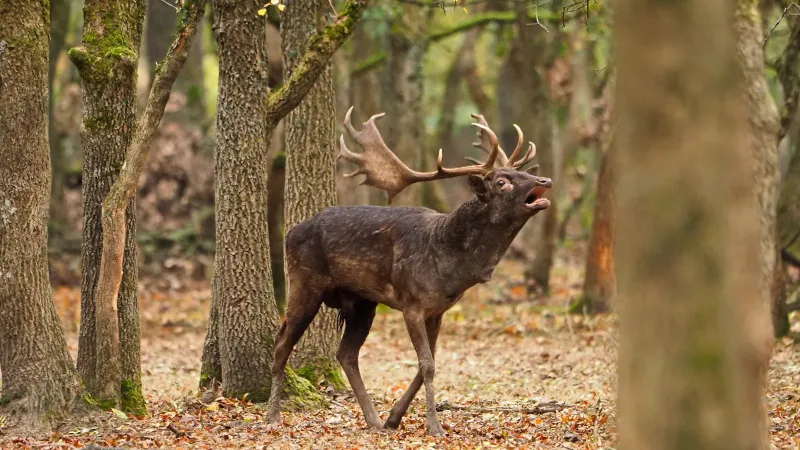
(392, 423)
(434, 429)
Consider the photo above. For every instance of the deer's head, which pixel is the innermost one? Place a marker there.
(501, 181)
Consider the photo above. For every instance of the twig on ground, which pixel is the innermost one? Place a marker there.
(175, 431)
(536, 408)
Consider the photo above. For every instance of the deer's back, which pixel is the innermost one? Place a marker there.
(359, 248)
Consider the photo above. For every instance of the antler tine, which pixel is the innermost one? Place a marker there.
(515, 153)
(528, 156)
(485, 143)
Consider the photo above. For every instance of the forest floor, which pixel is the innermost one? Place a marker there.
(502, 358)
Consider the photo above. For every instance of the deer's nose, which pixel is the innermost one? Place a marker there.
(546, 182)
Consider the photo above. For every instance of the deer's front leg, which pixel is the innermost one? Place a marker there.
(400, 407)
(415, 323)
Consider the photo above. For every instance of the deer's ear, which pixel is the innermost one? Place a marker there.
(478, 185)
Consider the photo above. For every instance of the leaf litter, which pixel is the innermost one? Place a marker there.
(512, 372)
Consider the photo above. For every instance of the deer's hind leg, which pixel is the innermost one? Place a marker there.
(358, 314)
(302, 304)
(432, 326)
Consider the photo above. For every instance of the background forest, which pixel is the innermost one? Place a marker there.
(528, 360)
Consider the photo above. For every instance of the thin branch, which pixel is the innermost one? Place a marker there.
(536, 408)
(536, 12)
(321, 47)
(780, 19)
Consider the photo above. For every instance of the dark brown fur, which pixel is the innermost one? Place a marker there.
(411, 259)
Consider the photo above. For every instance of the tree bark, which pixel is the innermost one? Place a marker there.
(694, 326)
(107, 61)
(39, 382)
(311, 174)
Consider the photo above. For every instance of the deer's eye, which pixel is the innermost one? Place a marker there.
(501, 183)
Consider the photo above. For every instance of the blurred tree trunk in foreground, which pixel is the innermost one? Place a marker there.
(694, 326)
(40, 383)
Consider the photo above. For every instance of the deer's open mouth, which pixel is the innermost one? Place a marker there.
(534, 199)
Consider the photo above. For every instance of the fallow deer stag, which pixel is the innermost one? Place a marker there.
(411, 259)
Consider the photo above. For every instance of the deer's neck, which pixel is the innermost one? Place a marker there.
(473, 231)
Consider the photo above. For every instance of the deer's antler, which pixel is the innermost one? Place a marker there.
(384, 170)
(485, 143)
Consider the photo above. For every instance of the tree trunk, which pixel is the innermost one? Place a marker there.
(107, 62)
(59, 24)
(242, 293)
(694, 328)
(524, 98)
(600, 283)
(311, 153)
(39, 382)
(405, 130)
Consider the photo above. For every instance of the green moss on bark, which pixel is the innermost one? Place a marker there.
(301, 394)
(132, 399)
(323, 372)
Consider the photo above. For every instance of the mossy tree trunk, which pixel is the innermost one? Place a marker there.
(311, 153)
(244, 315)
(108, 351)
(694, 329)
(39, 381)
(122, 192)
